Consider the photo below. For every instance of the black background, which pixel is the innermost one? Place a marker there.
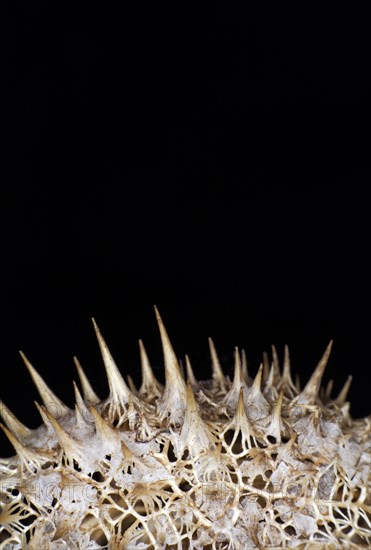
(213, 164)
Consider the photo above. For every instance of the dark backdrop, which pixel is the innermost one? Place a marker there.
(212, 163)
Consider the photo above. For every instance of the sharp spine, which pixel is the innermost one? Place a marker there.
(50, 400)
(120, 393)
(276, 366)
(286, 379)
(217, 371)
(194, 435)
(341, 398)
(150, 385)
(82, 411)
(190, 374)
(275, 425)
(240, 422)
(30, 459)
(231, 399)
(244, 368)
(72, 448)
(311, 390)
(175, 394)
(89, 393)
(256, 385)
(12, 423)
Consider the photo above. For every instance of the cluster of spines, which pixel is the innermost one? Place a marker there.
(175, 400)
(201, 413)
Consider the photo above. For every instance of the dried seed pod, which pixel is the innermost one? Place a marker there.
(252, 463)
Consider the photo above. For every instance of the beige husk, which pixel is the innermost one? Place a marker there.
(216, 464)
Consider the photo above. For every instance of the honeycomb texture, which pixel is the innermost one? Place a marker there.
(219, 464)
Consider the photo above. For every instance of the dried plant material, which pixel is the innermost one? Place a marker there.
(216, 464)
